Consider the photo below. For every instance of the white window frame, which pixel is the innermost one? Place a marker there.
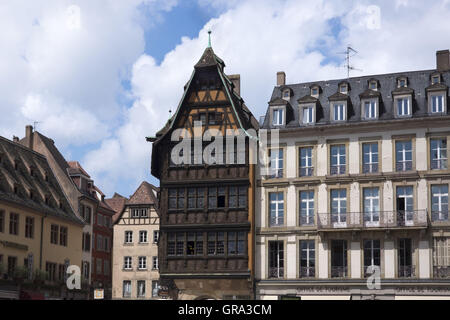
(342, 112)
(338, 156)
(308, 161)
(373, 211)
(127, 263)
(310, 257)
(370, 156)
(399, 83)
(311, 114)
(155, 236)
(364, 111)
(436, 76)
(409, 106)
(439, 153)
(142, 263)
(341, 211)
(441, 203)
(403, 152)
(431, 96)
(141, 293)
(283, 116)
(376, 85)
(128, 238)
(274, 163)
(143, 236)
(279, 213)
(309, 210)
(126, 288)
(315, 95)
(155, 265)
(343, 88)
(288, 94)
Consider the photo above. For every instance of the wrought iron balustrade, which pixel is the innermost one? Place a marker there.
(276, 221)
(337, 169)
(441, 272)
(338, 272)
(307, 220)
(439, 164)
(439, 216)
(370, 168)
(307, 272)
(306, 171)
(403, 165)
(276, 272)
(406, 271)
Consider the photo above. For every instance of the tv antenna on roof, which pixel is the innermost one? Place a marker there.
(35, 125)
(350, 52)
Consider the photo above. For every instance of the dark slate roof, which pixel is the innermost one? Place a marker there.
(10, 153)
(418, 83)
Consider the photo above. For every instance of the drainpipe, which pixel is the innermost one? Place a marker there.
(42, 240)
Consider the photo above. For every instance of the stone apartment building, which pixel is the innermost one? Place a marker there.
(40, 234)
(360, 178)
(135, 245)
(82, 195)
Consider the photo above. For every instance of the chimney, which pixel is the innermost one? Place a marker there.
(443, 60)
(15, 139)
(29, 136)
(281, 78)
(236, 79)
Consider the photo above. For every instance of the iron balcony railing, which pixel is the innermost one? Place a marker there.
(405, 165)
(439, 164)
(306, 171)
(406, 271)
(338, 272)
(276, 272)
(307, 272)
(276, 221)
(439, 216)
(307, 220)
(337, 169)
(375, 219)
(370, 168)
(441, 272)
(367, 269)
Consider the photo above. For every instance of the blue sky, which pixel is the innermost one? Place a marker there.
(101, 75)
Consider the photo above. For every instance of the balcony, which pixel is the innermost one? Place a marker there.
(368, 220)
(441, 272)
(307, 272)
(337, 169)
(406, 271)
(276, 272)
(338, 272)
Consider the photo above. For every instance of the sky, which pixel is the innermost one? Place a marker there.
(99, 76)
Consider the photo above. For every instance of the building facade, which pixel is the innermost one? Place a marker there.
(206, 210)
(358, 186)
(40, 235)
(135, 245)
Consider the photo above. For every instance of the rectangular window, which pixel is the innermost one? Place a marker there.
(2, 221)
(307, 258)
(237, 197)
(338, 159)
(370, 109)
(276, 163)
(308, 115)
(155, 288)
(128, 236)
(372, 254)
(277, 117)
(216, 243)
(50, 268)
(439, 202)
(141, 288)
(86, 269)
(99, 243)
(99, 220)
(135, 213)
(339, 112)
(276, 259)
(143, 236)
(403, 155)
(276, 208)
(127, 263)
(405, 206)
(14, 223)
(306, 165)
(176, 198)
(86, 242)
(29, 227)
(154, 263)
(437, 103)
(194, 244)
(216, 197)
(441, 257)
(438, 154)
(306, 208)
(63, 236)
(54, 234)
(171, 239)
(403, 107)
(371, 206)
(370, 157)
(339, 207)
(99, 266)
(106, 268)
(338, 258)
(196, 198)
(61, 272)
(106, 242)
(142, 263)
(180, 244)
(127, 289)
(12, 264)
(155, 236)
(405, 266)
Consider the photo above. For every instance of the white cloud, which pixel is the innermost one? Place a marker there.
(255, 39)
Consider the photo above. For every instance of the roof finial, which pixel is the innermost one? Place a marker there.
(209, 38)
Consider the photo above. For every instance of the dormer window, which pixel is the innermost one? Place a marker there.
(315, 91)
(339, 111)
(437, 102)
(369, 109)
(402, 83)
(307, 114)
(278, 116)
(403, 106)
(286, 94)
(373, 85)
(343, 88)
(435, 79)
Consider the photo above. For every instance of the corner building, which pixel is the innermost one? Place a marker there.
(360, 178)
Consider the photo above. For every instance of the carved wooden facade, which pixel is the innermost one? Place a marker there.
(206, 210)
